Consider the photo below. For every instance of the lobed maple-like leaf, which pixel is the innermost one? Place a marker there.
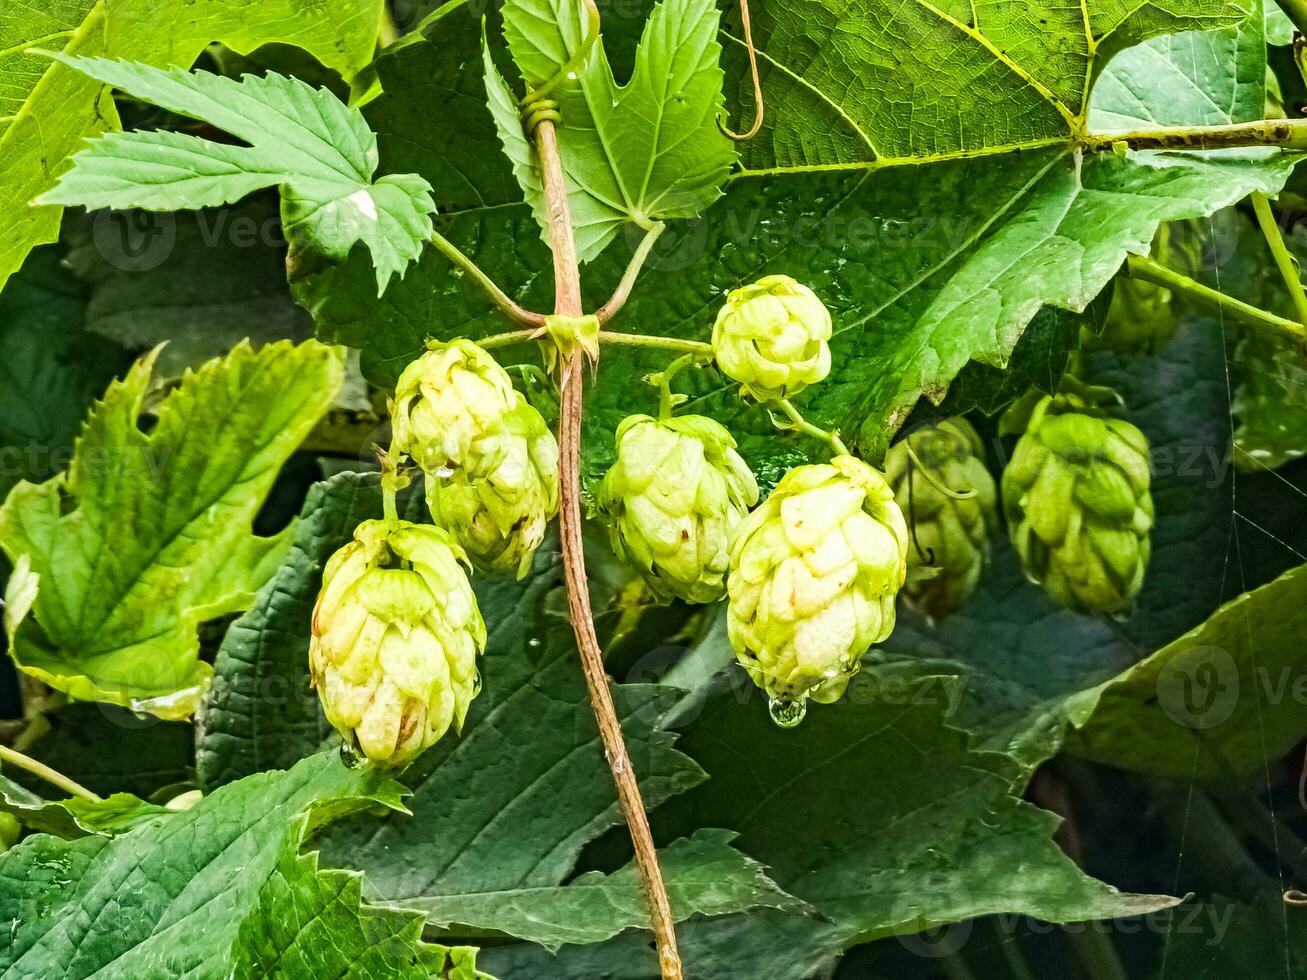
(318, 150)
(148, 534)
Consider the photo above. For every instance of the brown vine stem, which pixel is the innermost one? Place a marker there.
(567, 302)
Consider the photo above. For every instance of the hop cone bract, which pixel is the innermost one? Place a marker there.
(771, 336)
(814, 573)
(396, 634)
(671, 499)
(490, 461)
(1077, 501)
(951, 503)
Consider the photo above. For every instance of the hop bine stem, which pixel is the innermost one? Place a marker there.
(567, 302)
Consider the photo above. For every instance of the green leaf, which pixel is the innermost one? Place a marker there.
(104, 615)
(148, 755)
(763, 943)
(50, 108)
(1270, 404)
(1218, 701)
(76, 816)
(227, 893)
(966, 79)
(51, 370)
(936, 837)
(506, 807)
(315, 924)
(929, 270)
(639, 152)
(703, 873)
(319, 151)
(261, 712)
(201, 281)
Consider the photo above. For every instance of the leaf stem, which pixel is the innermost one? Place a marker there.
(666, 401)
(623, 291)
(1288, 134)
(567, 302)
(799, 424)
(705, 351)
(1283, 260)
(698, 348)
(1095, 952)
(51, 776)
(1150, 270)
(497, 295)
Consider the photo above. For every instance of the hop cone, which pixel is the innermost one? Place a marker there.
(1078, 507)
(490, 461)
(500, 503)
(771, 337)
(396, 633)
(814, 572)
(446, 400)
(951, 503)
(677, 490)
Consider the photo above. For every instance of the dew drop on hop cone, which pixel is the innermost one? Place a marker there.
(787, 714)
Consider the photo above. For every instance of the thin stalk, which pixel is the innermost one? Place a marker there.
(497, 295)
(1283, 260)
(1150, 270)
(705, 351)
(632, 273)
(666, 401)
(51, 776)
(1286, 133)
(567, 302)
(698, 348)
(800, 424)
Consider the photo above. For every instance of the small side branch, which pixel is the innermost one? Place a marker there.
(1280, 252)
(497, 295)
(623, 291)
(1150, 270)
(1285, 133)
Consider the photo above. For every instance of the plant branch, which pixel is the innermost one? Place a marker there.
(697, 347)
(497, 295)
(1290, 134)
(567, 302)
(1283, 260)
(1150, 270)
(799, 424)
(623, 291)
(51, 776)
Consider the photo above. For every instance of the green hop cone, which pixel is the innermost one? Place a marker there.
(943, 487)
(500, 503)
(671, 500)
(447, 399)
(491, 462)
(814, 573)
(396, 634)
(772, 336)
(1076, 497)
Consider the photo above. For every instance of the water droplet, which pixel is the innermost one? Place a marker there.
(787, 714)
(351, 756)
(533, 642)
